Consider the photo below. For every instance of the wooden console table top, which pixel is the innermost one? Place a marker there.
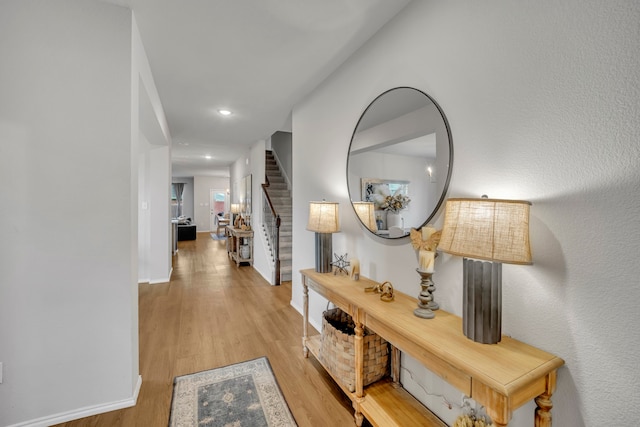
(502, 376)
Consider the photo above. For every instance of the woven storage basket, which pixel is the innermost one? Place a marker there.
(337, 350)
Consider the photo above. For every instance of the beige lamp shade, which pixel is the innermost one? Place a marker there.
(366, 213)
(323, 217)
(487, 229)
(235, 208)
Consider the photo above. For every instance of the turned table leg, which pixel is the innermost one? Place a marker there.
(305, 318)
(359, 368)
(359, 418)
(543, 411)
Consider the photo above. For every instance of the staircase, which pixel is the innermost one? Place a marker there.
(280, 197)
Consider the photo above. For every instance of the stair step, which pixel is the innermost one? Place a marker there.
(280, 199)
(284, 258)
(280, 194)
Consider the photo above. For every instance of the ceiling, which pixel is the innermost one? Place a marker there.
(256, 58)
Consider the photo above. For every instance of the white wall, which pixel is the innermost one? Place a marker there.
(543, 103)
(144, 215)
(68, 161)
(261, 257)
(160, 219)
(154, 209)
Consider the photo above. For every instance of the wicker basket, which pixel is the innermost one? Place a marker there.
(337, 350)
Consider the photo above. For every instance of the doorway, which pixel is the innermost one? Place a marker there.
(219, 203)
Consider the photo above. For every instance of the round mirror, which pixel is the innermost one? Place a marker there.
(399, 162)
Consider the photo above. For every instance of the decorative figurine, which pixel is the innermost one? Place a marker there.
(426, 242)
(340, 264)
(385, 289)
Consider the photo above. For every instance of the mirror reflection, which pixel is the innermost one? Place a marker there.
(399, 162)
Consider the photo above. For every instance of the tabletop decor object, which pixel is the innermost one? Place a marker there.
(385, 290)
(495, 231)
(323, 220)
(340, 264)
(355, 269)
(425, 241)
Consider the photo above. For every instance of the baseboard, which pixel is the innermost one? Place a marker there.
(141, 281)
(165, 280)
(84, 412)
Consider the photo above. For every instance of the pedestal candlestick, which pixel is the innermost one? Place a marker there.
(426, 305)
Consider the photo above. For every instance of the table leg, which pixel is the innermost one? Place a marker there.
(359, 368)
(305, 318)
(395, 365)
(359, 418)
(543, 411)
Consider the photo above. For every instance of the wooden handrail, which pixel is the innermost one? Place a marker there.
(275, 237)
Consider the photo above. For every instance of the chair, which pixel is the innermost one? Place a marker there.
(223, 222)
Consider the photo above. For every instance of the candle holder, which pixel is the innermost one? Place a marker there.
(426, 304)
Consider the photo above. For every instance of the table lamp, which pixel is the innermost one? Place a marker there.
(324, 220)
(366, 213)
(495, 231)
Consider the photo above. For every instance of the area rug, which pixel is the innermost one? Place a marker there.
(214, 236)
(241, 395)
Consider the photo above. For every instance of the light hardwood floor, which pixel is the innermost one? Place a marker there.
(213, 314)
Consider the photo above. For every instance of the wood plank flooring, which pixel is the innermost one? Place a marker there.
(214, 314)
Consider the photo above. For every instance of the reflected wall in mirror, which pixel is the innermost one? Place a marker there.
(400, 159)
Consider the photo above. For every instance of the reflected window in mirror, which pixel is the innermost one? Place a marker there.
(400, 159)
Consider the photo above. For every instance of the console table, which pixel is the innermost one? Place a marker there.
(235, 236)
(502, 376)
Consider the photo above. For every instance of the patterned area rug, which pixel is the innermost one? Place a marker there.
(214, 236)
(241, 395)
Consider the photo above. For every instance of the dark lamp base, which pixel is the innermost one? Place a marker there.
(482, 301)
(323, 252)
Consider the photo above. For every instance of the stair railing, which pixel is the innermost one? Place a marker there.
(271, 222)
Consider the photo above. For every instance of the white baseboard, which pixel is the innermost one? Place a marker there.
(84, 412)
(165, 280)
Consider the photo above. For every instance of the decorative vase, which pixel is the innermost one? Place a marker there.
(394, 220)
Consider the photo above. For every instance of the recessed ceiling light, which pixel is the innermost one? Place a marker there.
(208, 157)
(224, 112)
